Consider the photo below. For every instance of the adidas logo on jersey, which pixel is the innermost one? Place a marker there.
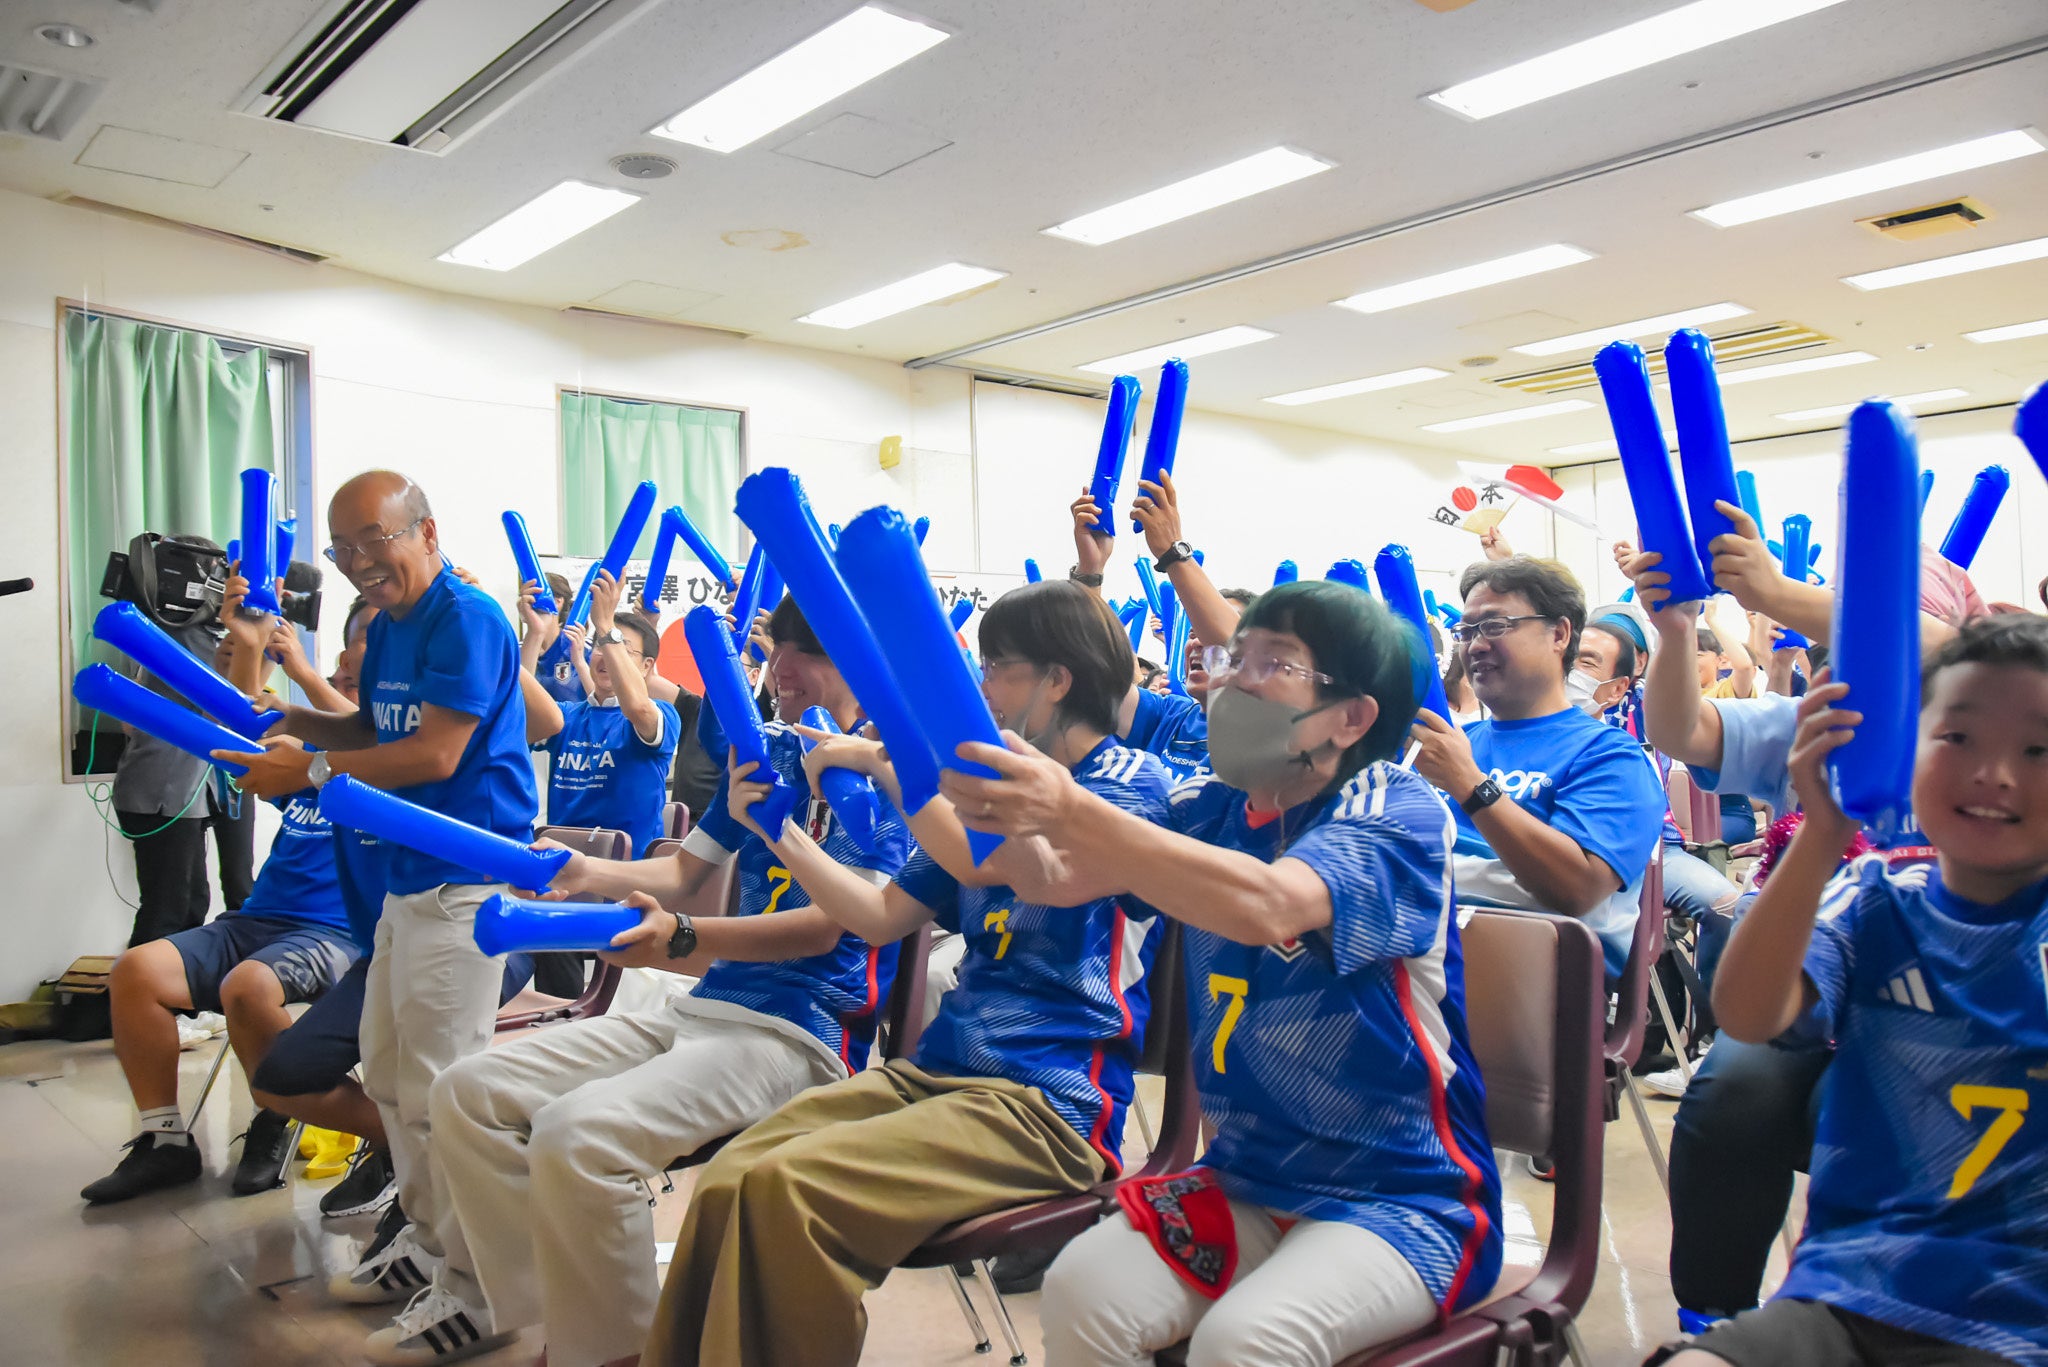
(1907, 988)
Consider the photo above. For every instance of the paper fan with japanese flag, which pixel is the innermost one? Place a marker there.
(1490, 490)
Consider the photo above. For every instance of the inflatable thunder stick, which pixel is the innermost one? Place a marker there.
(1117, 421)
(124, 627)
(514, 925)
(1286, 572)
(1876, 646)
(348, 801)
(1646, 464)
(1169, 402)
(1149, 582)
(1394, 568)
(851, 796)
(579, 606)
(963, 608)
(623, 543)
(920, 528)
(234, 550)
(1031, 574)
(888, 578)
(2030, 425)
(1926, 488)
(771, 503)
(732, 702)
(1745, 485)
(1973, 519)
(1134, 615)
(1177, 650)
(1348, 572)
(772, 589)
(1703, 452)
(259, 540)
(123, 699)
(1796, 560)
(676, 522)
(287, 542)
(527, 560)
(746, 604)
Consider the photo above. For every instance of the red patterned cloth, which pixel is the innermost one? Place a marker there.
(1780, 835)
(1187, 1218)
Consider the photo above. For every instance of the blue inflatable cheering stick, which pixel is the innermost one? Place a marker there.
(287, 541)
(676, 526)
(963, 608)
(527, 559)
(1286, 572)
(579, 606)
(732, 702)
(348, 801)
(259, 540)
(1394, 567)
(1117, 421)
(2030, 425)
(620, 551)
(1926, 488)
(1134, 616)
(1876, 645)
(515, 925)
(746, 604)
(1798, 534)
(1031, 574)
(1973, 519)
(1646, 464)
(1154, 599)
(850, 795)
(1348, 572)
(921, 528)
(123, 699)
(1703, 452)
(888, 578)
(124, 627)
(1162, 442)
(1745, 485)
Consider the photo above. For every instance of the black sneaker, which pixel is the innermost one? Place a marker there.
(150, 1165)
(264, 1154)
(369, 1185)
(1024, 1270)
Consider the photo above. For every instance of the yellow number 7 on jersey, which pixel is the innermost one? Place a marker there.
(1235, 989)
(2011, 1103)
(778, 880)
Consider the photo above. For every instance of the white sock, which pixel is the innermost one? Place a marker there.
(165, 1123)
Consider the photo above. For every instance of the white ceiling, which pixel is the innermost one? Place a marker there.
(1057, 107)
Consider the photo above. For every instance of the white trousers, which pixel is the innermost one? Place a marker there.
(1306, 1298)
(543, 1144)
(431, 998)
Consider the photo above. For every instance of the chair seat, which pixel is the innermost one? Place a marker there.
(985, 1236)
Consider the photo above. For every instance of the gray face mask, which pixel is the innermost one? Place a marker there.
(1251, 740)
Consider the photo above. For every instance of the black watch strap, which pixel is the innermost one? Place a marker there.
(683, 943)
(1091, 581)
(1173, 555)
(1480, 798)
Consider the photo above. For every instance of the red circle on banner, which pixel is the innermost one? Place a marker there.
(1463, 499)
(676, 664)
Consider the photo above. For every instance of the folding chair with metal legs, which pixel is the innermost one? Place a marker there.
(212, 1075)
(1670, 1027)
(1635, 1101)
(967, 1310)
(986, 1276)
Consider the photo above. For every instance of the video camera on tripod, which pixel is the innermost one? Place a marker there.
(181, 581)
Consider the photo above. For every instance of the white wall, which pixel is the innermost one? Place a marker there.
(460, 393)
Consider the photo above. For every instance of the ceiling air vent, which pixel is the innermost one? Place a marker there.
(424, 73)
(1750, 344)
(1930, 220)
(42, 104)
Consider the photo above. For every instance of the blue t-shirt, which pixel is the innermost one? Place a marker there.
(454, 649)
(1929, 1203)
(556, 670)
(1051, 997)
(603, 774)
(297, 881)
(835, 995)
(1173, 727)
(359, 869)
(1756, 747)
(1589, 780)
(1336, 1067)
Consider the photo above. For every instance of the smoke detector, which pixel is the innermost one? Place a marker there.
(642, 166)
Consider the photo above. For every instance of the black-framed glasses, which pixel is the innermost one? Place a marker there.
(1492, 628)
(345, 552)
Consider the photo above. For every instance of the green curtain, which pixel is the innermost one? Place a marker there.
(610, 445)
(161, 423)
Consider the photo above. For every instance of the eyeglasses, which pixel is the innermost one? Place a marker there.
(345, 552)
(1250, 671)
(1492, 628)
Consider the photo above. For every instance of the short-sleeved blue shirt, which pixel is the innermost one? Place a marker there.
(603, 774)
(297, 881)
(556, 670)
(1756, 748)
(1173, 727)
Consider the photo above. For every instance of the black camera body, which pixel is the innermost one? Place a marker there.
(181, 581)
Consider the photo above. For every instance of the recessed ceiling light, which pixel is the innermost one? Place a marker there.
(547, 220)
(1201, 344)
(64, 35)
(2010, 332)
(1639, 327)
(1541, 410)
(1943, 266)
(1838, 410)
(1392, 380)
(816, 71)
(1267, 170)
(1464, 278)
(926, 287)
(1628, 48)
(1805, 365)
(1885, 175)
(1584, 448)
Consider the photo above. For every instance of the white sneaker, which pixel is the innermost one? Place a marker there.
(1671, 1082)
(196, 1030)
(438, 1326)
(390, 1270)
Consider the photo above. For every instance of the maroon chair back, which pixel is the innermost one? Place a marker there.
(675, 821)
(1624, 1039)
(600, 842)
(1180, 1128)
(1697, 812)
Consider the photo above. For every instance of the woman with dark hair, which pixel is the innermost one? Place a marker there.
(1019, 1085)
(1350, 1195)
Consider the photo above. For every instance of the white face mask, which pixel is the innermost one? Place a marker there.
(1581, 690)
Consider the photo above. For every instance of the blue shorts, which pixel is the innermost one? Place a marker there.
(306, 959)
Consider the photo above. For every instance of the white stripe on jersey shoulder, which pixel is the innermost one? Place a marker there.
(778, 728)
(1119, 764)
(1190, 788)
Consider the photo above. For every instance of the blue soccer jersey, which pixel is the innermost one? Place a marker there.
(297, 881)
(603, 774)
(1173, 727)
(359, 870)
(1335, 1067)
(1928, 1209)
(556, 670)
(1050, 997)
(835, 996)
(453, 649)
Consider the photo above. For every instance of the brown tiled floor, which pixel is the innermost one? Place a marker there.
(198, 1277)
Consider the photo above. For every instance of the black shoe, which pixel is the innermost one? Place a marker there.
(151, 1164)
(1024, 1270)
(368, 1185)
(264, 1154)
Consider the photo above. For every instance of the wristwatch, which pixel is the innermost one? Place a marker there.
(320, 770)
(1173, 555)
(1089, 581)
(683, 943)
(1480, 798)
(614, 637)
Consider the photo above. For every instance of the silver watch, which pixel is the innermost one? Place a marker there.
(319, 771)
(614, 637)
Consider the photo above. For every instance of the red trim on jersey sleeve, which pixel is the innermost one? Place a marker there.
(1440, 1116)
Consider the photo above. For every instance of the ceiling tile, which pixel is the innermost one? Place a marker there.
(864, 146)
(645, 296)
(155, 157)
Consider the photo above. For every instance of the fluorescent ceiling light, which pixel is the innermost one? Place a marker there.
(1663, 322)
(926, 287)
(1345, 390)
(1628, 48)
(1466, 278)
(1803, 366)
(1584, 448)
(1267, 170)
(1943, 266)
(815, 72)
(1541, 410)
(2010, 332)
(548, 220)
(1840, 410)
(1201, 344)
(1885, 175)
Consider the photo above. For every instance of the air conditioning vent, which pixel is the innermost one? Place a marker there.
(42, 104)
(1929, 220)
(425, 73)
(1774, 339)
